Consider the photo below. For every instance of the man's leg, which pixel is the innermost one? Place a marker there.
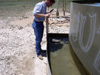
(38, 30)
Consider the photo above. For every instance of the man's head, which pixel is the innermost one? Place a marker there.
(49, 2)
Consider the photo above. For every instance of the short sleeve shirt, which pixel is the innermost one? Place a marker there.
(39, 8)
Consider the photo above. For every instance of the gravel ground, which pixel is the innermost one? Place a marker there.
(17, 45)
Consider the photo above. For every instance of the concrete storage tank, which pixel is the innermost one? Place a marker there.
(85, 33)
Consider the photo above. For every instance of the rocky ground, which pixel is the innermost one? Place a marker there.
(17, 43)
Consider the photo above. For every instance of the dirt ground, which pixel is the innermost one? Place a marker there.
(17, 44)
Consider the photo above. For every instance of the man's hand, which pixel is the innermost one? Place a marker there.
(47, 15)
(48, 12)
(51, 10)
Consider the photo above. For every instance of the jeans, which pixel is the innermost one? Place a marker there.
(38, 30)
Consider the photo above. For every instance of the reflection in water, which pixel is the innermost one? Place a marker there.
(61, 58)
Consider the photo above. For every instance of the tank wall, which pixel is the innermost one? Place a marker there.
(85, 35)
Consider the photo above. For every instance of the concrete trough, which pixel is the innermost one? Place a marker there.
(81, 44)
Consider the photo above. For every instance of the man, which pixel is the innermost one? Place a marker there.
(40, 13)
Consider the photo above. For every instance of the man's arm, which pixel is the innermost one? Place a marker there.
(42, 15)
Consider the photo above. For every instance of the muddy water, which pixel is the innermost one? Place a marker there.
(63, 60)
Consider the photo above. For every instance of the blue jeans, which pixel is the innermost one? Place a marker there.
(38, 30)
